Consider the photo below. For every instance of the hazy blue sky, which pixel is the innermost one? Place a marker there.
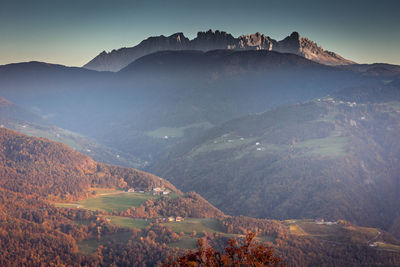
(71, 32)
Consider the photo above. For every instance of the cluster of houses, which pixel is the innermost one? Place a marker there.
(259, 147)
(169, 219)
(322, 221)
(330, 99)
(374, 244)
(258, 144)
(156, 191)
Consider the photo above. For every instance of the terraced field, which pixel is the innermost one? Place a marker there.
(341, 233)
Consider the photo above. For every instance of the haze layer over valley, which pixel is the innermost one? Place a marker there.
(281, 138)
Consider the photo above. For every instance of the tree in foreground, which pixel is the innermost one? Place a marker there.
(247, 254)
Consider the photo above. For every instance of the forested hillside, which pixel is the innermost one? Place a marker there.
(335, 157)
(61, 207)
(52, 170)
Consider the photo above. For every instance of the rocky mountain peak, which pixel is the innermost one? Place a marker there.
(290, 44)
(256, 41)
(179, 37)
(295, 36)
(212, 40)
(210, 34)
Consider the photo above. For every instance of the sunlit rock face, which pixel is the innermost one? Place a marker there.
(212, 40)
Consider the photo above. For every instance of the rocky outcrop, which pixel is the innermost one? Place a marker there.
(212, 40)
(256, 41)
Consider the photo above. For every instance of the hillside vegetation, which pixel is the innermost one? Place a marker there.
(334, 157)
(52, 170)
(35, 172)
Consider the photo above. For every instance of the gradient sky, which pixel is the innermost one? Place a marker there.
(71, 32)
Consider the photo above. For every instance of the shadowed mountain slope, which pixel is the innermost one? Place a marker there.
(334, 157)
(166, 97)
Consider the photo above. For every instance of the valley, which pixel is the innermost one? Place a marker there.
(228, 136)
(204, 133)
(130, 113)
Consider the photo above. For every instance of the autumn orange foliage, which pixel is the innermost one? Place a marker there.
(247, 254)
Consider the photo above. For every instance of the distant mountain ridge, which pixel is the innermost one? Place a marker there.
(212, 40)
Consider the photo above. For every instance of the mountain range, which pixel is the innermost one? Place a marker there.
(213, 40)
(278, 130)
(173, 94)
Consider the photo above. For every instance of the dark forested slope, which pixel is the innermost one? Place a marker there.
(335, 157)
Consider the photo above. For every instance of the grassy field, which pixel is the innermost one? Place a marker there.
(55, 134)
(340, 233)
(115, 202)
(364, 230)
(199, 225)
(390, 247)
(314, 229)
(109, 200)
(172, 132)
(296, 230)
(126, 222)
(104, 191)
(333, 146)
(222, 143)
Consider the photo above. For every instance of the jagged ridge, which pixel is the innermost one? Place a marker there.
(210, 40)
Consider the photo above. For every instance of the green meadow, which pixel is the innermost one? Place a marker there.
(109, 202)
(126, 222)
